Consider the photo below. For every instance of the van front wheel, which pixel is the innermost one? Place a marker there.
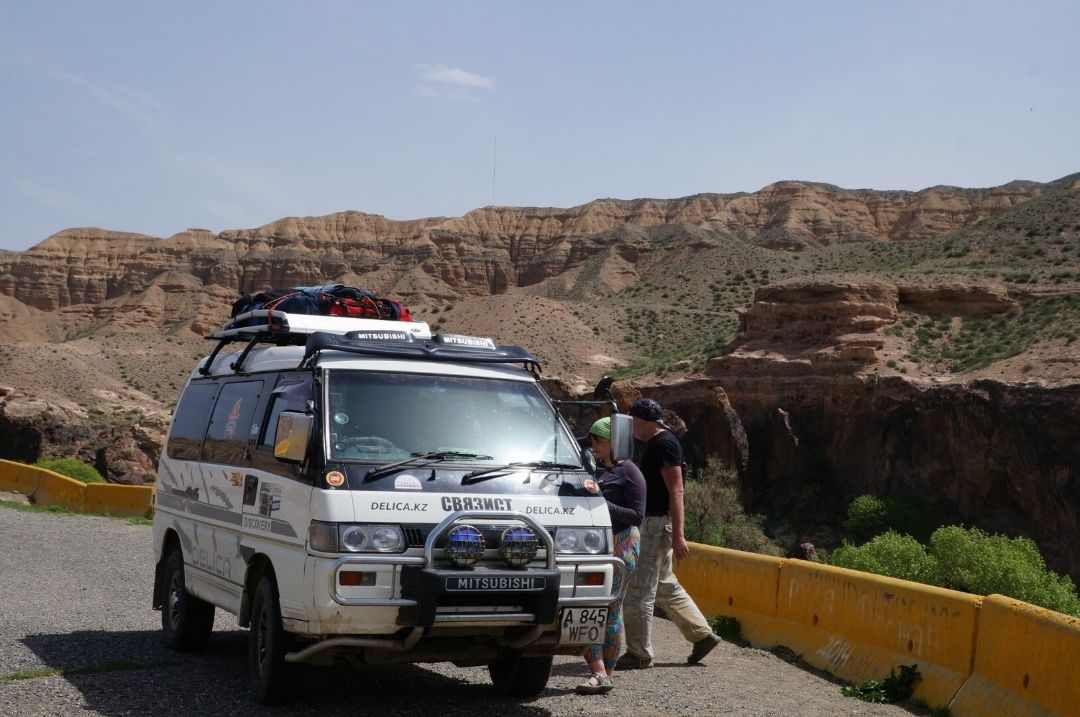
(518, 676)
(272, 677)
(185, 619)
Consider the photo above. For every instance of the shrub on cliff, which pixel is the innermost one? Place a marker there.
(965, 559)
(72, 468)
(976, 562)
(714, 513)
(891, 554)
(866, 517)
(869, 515)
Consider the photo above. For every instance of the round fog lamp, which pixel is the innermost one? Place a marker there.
(518, 546)
(464, 546)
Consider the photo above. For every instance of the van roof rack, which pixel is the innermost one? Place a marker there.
(294, 328)
(362, 336)
(401, 344)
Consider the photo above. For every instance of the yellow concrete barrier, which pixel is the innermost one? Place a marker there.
(18, 477)
(46, 487)
(56, 489)
(733, 583)
(859, 626)
(1026, 663)
(125, 501)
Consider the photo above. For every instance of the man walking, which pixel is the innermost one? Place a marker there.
(662, 537)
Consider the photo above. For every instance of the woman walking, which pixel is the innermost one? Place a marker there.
(623, 487)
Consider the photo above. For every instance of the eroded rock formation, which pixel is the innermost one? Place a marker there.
(486, 250)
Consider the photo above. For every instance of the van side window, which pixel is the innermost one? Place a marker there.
(190, 422)
(230, 428)
(278, 404)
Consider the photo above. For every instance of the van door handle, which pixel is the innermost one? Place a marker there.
(250, 484)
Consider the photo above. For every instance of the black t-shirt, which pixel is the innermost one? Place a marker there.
(661, 451)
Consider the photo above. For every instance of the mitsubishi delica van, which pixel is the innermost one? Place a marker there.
(357, 491)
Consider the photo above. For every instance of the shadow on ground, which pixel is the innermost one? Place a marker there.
(124, 673)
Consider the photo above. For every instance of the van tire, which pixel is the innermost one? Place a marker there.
(518, 676)
(185, 619)
(272, 678)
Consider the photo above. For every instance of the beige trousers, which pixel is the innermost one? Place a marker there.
(654, 584)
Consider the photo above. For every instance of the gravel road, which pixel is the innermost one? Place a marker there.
(75, 593)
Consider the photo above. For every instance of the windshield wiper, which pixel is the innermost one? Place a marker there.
(432, 457)
(490, 472)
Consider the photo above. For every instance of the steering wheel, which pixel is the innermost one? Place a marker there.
(366, 447)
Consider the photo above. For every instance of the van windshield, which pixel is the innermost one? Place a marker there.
(385, 417)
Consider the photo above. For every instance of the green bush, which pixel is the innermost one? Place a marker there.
(714, 512)
(891, 554)
(866, 517)
(869, 515)
(72, 468)
(975, 562)
(965, 559)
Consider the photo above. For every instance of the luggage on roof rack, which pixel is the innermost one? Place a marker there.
(327, 300)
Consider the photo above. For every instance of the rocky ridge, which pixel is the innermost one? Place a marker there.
(486, 251)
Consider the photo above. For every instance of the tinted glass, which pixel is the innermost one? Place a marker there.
(232, 427)
(388, 417)
(190, 422)
(277, 405)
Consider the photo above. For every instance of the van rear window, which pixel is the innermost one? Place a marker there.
(190, 422)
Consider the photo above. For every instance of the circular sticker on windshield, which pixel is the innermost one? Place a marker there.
(407, 482)
(335, 478)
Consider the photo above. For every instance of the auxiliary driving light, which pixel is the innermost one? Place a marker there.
(464, 546)
(518, 546)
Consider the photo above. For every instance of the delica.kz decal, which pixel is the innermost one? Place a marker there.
(335, 478)
(407, 482)
(269, 498)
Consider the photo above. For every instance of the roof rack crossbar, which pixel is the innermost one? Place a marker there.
(417, 349)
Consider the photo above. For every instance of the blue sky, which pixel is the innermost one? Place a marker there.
(153, 117)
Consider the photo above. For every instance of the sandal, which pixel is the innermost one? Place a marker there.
(597, 684)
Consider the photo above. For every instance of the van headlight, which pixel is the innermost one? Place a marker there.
(355, 538)
(591, 541)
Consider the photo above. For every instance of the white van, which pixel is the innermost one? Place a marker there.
(365, 491)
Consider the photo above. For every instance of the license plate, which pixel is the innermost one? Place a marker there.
(582, 625)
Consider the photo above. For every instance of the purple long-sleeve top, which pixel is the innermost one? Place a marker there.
(623, 488)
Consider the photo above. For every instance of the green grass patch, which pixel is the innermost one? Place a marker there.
(894, 688)
(32, 507)
(726, 627)
(107, 666)
(72, 468)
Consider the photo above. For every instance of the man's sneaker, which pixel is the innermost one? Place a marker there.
(701, 648)
(630, 661)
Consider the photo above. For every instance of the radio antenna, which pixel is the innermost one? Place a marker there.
(494, 158)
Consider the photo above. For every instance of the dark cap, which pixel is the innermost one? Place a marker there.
(646, 409)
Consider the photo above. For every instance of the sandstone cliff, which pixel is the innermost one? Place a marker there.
(483, 252)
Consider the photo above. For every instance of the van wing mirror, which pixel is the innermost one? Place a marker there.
(292, 437)
(622, 436)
